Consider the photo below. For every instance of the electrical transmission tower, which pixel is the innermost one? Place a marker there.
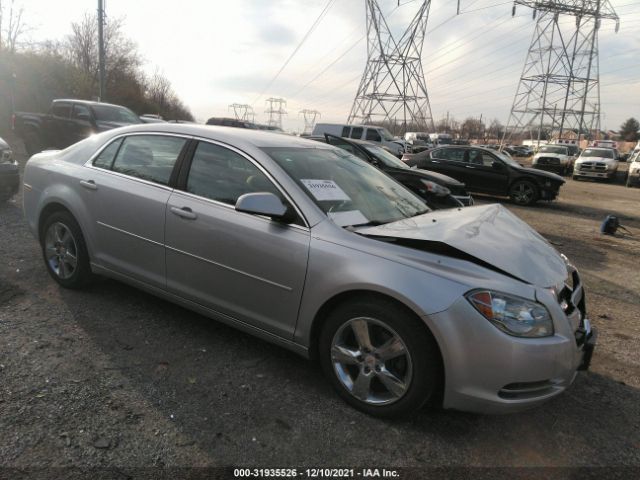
(559, 90)
(310, 117)
(243, 112)
(276, 111)
(392, 90)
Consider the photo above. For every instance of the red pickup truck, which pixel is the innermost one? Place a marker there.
(67, 122)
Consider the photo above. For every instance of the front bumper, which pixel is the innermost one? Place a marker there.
(549, 193)
(607, 174)
(555, 168)
(488, 371)
(633, 179)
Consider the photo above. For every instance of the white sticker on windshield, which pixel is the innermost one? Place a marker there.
(352, 217)
(325, 190)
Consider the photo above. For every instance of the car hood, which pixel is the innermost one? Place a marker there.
(429, 175)
(542, 173)
(489, 235)
(596, 159)
(552, 155)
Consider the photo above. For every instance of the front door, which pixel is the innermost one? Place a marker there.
(486, 173)
(248, 267)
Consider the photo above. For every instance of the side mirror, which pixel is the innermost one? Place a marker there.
(267, 204)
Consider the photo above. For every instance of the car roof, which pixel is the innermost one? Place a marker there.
(237, 137)
(86, 102)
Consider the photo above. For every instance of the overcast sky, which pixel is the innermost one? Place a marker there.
(218, 52)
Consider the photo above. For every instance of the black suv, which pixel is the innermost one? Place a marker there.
(488, 171)
(437, 190)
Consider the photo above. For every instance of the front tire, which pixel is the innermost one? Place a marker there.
(64, 251)
(524, 192)
(379, 357)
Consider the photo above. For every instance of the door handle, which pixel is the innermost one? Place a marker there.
(89, 184)
(435, 161)
(469, 166)
(184, 212)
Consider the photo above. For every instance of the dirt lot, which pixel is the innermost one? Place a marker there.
(111, 376)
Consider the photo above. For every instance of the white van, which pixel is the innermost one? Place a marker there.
(370, 133)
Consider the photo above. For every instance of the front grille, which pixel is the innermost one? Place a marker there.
(548, 161)
(592, 166)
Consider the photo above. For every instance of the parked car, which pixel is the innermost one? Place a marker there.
(152, 118)
(309, 247)
(633, 175)
(553, 158)
(523, 150)
(67, 122)
(488, 171)
(419, 141)
(9, 172)
(231, 122)
(437, 190)
(370, 133)
(598, 163)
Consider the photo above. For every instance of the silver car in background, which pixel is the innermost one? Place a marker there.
(309, 247)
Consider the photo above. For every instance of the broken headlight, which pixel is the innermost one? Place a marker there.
(513, 315)
(436, 189)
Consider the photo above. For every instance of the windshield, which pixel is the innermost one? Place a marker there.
(112, 113)
(549, 149)
(385, 134)
(385, 157)
(347, 189)
(598, 152)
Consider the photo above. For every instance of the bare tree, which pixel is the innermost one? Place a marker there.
(16, 27)
(159, 90)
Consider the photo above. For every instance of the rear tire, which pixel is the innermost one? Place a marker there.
(390, 368)
(524, 192)
(64, 251)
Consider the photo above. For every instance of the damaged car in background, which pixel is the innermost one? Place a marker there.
(307, 246)
(9, 172)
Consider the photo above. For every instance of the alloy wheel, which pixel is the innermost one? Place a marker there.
(371, 361)
(61, 250)
(523, 193)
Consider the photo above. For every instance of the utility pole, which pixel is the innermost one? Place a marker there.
(276, 111)
(101, 53)
(560, 81)
(310, 117)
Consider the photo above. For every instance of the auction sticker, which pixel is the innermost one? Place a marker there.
(325, 190)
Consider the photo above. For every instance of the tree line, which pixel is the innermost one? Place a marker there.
(31, 75)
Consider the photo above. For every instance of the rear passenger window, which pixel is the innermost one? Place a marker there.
(149, 157)
(105, 159)
(61, 110)
(223, 175)
(345, 132)
(356, 132)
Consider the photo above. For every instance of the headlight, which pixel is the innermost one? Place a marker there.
(6, 156)
(513, 315)
(436, 189)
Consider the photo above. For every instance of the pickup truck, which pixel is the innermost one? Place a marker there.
(68, 122)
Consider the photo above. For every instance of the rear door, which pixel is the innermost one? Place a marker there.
(449, 161)
(247, 267)
(127, 187)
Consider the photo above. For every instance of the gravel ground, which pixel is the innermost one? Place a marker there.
(111, 376)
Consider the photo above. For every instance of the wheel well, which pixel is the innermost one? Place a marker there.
(47, 212)
(528, 179)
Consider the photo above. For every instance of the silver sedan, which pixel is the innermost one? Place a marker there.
(309, 247)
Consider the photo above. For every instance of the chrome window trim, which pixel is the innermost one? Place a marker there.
(259, 167)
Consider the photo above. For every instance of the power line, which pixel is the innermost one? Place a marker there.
(309, 32)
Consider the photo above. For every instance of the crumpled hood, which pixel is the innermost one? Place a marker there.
(489, 233)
